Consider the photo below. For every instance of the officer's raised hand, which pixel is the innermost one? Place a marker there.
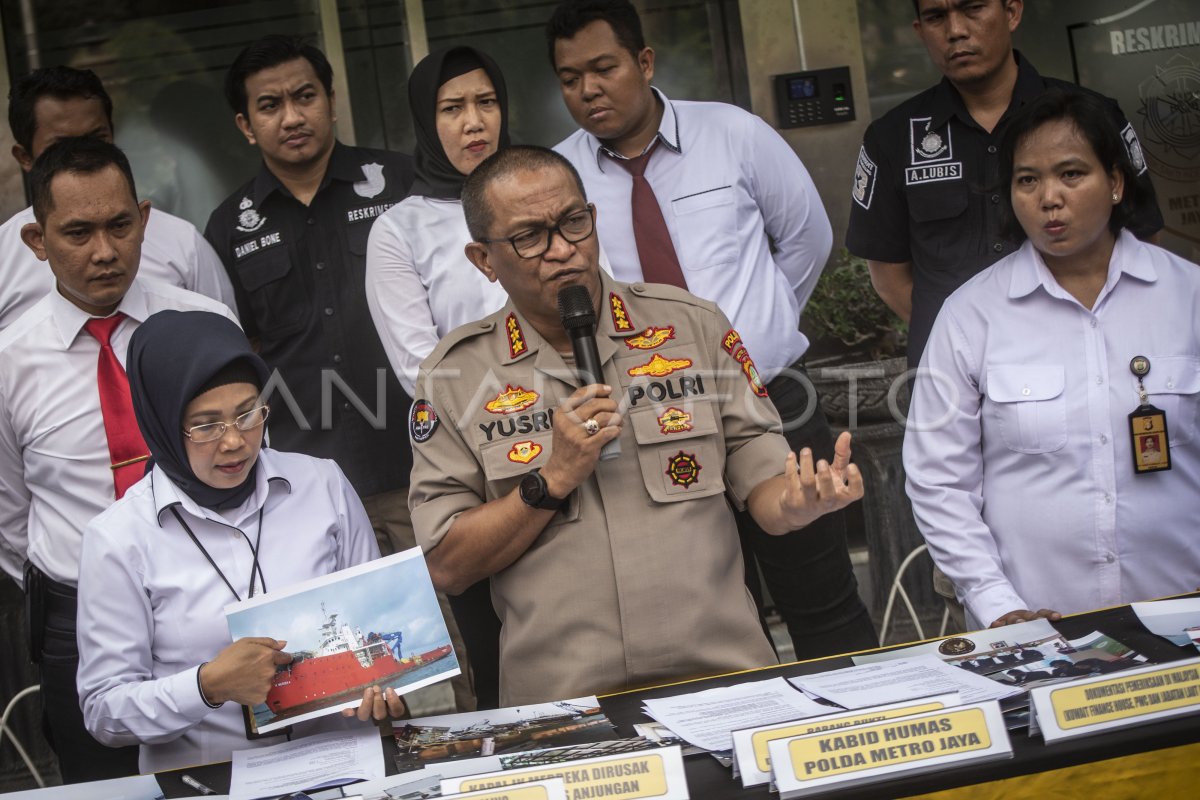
(583, 423)
(806, 491)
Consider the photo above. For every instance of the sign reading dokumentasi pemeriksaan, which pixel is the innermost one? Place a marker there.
(1134, 697)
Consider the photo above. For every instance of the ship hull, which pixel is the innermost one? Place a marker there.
(315, 682)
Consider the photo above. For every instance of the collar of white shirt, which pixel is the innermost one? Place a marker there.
(269, 484)
(1030, 271)
(69, 318)
(668, 133)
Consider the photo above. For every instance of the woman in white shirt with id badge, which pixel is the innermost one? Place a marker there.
(219, 518)
(1052, 448)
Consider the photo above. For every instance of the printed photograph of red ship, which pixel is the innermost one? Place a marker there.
(376, 624)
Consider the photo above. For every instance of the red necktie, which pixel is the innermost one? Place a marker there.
(660, 264)
(126, 449)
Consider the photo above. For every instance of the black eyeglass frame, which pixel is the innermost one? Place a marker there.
(549, 232)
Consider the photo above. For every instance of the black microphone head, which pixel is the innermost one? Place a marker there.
(575, 308)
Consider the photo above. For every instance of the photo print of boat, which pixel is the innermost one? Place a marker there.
(375, 624)
(501, 731)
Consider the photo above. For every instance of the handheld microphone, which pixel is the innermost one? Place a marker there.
(579, 319)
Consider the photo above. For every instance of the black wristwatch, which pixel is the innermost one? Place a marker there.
(535, 494)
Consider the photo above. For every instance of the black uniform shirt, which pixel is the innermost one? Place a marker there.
(299, 275)
(925, 191)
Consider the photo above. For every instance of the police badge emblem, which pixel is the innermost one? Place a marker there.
(683, 469)
(373, 181)
(249, 220)
(927, 144)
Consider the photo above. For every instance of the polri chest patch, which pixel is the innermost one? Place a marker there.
(931, 153)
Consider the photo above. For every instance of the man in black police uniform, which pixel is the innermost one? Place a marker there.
(294, 241)
(926, 211)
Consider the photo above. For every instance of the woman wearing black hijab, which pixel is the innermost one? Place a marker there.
(218, 518)
(420, 285)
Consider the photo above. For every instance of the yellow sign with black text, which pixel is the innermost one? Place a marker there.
(901, 742)
(762, 739)
(523, 792)
(650, 774)
(1126, 699)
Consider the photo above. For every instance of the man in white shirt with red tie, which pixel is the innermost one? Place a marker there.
(69, 444)
(53, 103)
(709, 198)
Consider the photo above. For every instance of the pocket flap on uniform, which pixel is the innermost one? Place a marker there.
(1173, 375)
(516, 455)
(1015, 383)
(259, 270)
(673, 421)
(939, 201)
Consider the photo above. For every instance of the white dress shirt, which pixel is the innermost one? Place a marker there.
(1018, 451)
(420, 283)
(151, 607)
(54, 460)
(726, 181)
(173, 251)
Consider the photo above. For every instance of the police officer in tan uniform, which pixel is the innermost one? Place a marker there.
(605, 574)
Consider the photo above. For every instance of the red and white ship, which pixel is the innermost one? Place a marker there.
(344, 664)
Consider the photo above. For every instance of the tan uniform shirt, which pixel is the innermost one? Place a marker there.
(639, 579)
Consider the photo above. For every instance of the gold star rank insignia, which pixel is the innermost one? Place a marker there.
(516, 337)
(620, 318)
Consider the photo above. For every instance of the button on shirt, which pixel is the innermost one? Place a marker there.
(299, 275)
(925, 192)
(420, 283)
(173, 251)
(1018, 448)
(726, 181)
(151, 607)
(54, 459)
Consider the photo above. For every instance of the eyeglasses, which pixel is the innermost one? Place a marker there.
(575, 227)
(211, 431)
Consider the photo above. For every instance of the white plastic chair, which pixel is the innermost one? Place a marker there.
(4, 729)
(898, 589)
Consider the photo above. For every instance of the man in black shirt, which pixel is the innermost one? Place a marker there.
(294, 241)
(926, 211)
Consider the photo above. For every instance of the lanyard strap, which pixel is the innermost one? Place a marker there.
(254, 567)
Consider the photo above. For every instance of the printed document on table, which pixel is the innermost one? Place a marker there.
(314, 762)
(903, 679)
(1170, 619)
(706, 719)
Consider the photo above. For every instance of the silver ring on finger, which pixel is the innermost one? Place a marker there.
(592, 427)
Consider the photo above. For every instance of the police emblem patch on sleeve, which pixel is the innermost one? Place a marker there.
(864, 179)
(683, 469)
(422, 421)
